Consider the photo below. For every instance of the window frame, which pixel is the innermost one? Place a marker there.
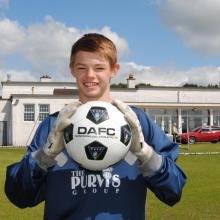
(29, 114)
(43, 113)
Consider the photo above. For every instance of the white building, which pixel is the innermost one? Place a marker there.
(24, 105)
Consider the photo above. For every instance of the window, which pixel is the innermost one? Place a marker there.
(44, 111)
(193, 118)
(215, 128)
(28, 112)
(205, 130)
(216, 117)
(164, 117)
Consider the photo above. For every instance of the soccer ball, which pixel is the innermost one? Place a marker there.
(98, 137)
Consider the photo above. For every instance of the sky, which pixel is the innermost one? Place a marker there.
(160, 42)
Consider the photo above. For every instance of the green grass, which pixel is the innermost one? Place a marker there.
(204, 147)
(200, 199)
(201, 195)
(7, 210)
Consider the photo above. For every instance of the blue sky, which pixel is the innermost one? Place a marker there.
(161, 42)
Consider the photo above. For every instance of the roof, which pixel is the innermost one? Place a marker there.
(3, 99)
(65, 92)
(36, 83)
(113, 89)
(56, 93)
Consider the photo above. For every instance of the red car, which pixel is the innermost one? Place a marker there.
(200, 134)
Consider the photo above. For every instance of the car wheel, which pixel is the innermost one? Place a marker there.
(192, 140)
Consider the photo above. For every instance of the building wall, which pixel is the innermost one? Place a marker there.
(12, 87)
(23, 131)
(176, 96)
(164, 105)
(200, 96)
(145, 96)
(5, 117)
(4, 110)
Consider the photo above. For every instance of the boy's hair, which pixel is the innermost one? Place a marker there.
(94, 42)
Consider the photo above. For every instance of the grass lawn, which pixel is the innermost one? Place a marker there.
(202, 147)
(7, 210)
(200, 200)
(201, 195)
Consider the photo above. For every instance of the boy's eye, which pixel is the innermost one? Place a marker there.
(100, 68)
(81, 68)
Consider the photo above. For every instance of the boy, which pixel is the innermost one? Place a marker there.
(46, 173)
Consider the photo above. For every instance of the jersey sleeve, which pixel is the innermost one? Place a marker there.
(25, 180)
(167, 183)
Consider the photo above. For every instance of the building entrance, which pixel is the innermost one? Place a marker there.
(3, 133)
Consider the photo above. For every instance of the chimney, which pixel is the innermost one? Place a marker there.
(131, 82)
(45, 78)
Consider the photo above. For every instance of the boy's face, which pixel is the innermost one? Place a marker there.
(93, 74)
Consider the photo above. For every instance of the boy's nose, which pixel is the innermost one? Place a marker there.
(90, 73)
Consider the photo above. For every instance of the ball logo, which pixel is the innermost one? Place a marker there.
(97, 114)
(96, 131)
(125, 134)
(68, 133)
(95, 151)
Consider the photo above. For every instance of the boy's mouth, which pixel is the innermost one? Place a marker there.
(90, 84)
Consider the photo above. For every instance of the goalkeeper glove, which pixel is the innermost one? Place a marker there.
(150, 161)
(45, 156)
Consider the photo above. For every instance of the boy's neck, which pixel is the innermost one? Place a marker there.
(104, 99)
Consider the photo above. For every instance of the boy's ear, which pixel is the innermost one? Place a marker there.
(115, 70)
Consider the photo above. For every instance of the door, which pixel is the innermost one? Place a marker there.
(205, 134)
(3, 133)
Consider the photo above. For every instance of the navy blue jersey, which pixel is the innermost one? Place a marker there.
(117, 193)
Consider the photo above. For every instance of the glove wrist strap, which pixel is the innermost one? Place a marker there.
(145, 153)
(43, 160)
(150, 161)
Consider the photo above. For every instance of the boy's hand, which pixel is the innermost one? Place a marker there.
(139, 147)
(55, 143)
(45, 156)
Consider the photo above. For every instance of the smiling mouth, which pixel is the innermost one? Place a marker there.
(90, 84)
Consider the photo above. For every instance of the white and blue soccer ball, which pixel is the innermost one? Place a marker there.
(98, 137)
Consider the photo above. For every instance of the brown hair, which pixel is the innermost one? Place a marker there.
(94, 42)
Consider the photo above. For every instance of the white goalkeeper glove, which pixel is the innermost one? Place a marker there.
(45, 156)
(150, 160)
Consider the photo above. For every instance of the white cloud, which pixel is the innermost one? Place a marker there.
(46, 46)
(12, 36)
(16, 75)
(168, 75)
(156, 76)
(196, 22)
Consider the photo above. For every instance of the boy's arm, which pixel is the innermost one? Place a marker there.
(168, 181)
(156, 155)
(25, 180)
